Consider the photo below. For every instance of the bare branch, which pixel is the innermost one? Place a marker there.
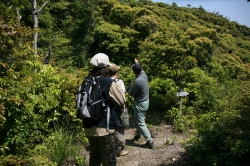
(18, 16)
(49, 54)
(39, 10)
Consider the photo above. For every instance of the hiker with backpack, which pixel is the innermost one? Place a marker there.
(120, 109)
(96, 109)
(140, 92)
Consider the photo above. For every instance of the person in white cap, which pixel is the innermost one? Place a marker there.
(120, 108)
(102, 141)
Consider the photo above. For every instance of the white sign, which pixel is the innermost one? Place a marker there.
(182, 93)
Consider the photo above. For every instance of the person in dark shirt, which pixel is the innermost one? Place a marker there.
(101, 139)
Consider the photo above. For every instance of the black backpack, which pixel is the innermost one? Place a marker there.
(90, 105)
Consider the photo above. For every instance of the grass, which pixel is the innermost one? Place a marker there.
(62, 147)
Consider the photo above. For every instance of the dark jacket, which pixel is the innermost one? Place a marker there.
(105, 83)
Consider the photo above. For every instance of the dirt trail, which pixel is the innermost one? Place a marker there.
(172, 153)
(167, 151)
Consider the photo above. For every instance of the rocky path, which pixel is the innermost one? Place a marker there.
(168, 149)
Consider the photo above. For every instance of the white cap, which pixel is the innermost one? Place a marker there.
(100, 60)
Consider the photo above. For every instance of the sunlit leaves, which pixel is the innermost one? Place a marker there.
(14, 42)
(107, 5)
(34, 100)
(3, 150)
(110, 37)
(145, 25)
(122, 15)
(163, 94)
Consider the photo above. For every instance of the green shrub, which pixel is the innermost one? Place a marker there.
(223, 139)
(12, 160)
(183, 123)
(32, 101)
(162, 94)
(62, 147)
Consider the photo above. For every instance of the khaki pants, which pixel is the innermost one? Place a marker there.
(102, 150)
(120, 139)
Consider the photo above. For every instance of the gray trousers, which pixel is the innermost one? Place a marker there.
(140, 109)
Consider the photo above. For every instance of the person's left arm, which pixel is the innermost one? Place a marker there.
(133, 89)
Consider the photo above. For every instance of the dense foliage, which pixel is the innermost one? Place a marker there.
(180, 48)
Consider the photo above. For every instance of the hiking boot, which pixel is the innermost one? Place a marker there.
(149, 144)
(137, 137)
(123, 153)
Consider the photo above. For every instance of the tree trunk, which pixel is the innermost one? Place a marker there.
(35, 13)
(35, 26)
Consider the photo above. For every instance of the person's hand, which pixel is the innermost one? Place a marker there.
(136, 60)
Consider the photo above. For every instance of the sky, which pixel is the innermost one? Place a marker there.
(235, 10)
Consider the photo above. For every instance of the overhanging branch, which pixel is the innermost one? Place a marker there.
(41, 8)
